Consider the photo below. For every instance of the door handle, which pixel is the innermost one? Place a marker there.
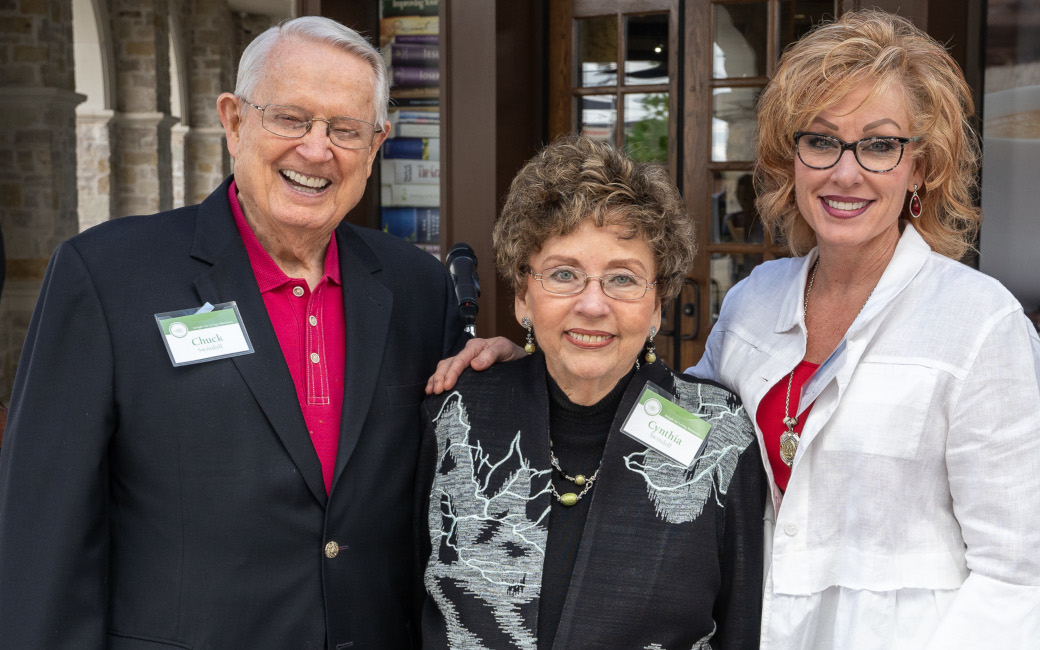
(689, 310)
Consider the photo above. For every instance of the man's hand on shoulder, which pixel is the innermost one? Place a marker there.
(479, 354)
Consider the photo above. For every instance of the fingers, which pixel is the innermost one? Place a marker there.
(480, 354)
(497, 350)
(448, 370)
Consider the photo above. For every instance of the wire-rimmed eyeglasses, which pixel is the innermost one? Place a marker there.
(295, 122)
(878, 154)
(566, 281)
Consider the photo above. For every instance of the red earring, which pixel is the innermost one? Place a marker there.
(915, 204)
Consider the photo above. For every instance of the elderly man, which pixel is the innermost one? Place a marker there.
(215, 426)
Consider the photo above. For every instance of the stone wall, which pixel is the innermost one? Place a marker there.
(37, 156)
(133, 157)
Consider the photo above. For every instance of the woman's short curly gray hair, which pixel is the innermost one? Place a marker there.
(575, 179)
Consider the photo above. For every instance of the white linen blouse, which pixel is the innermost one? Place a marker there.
(912, 517)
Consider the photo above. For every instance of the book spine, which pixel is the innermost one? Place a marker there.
(413, 148)
(399, 95)
(413, 77)
(413, 130)
(410, 7)
(402, 25)
(414, 55)
(410, 171)
(410, 195)
(414, 102)
(419, 225)
(417, 39)
(417, 116)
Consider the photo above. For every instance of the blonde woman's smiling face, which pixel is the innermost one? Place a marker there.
(590, 340)
(847, 206)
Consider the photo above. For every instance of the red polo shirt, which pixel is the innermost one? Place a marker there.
(312, 332)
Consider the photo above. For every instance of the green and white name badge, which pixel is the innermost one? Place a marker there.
(661, 424)
(204, 333)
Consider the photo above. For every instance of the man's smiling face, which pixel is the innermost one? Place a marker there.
(303, 184)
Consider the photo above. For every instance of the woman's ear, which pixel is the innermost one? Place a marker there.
(520, 304)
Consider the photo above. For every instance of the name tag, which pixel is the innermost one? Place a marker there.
(204, 333)
(823, 376)
(664, 426)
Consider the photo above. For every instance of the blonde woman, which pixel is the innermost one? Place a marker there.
(895, 390)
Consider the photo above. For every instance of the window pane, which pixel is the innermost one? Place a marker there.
(597, 51)
(741, 32)
(598, 117)
(646, 52)
(726, 271)
(797, 18)
(1010, 235)
(646, 127)
(733, 124)
(733, 214)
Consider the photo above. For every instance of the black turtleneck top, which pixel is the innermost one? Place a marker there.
(578, 434)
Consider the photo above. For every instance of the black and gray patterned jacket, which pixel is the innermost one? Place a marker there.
(670, 558)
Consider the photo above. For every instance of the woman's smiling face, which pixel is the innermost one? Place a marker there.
(590, 340)
(847, 206)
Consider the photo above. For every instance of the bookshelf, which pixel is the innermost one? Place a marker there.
(492, 118)
(410, 160)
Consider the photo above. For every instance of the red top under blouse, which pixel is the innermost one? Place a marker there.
(311, 327)
(770, 418)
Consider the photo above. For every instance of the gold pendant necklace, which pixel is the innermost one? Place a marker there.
(789, 439)
(570, 498)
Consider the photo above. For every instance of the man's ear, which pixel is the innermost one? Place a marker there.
(230, 111)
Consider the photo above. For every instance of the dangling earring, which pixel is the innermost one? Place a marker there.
(915, 205)
(651, 352)
(529, 346)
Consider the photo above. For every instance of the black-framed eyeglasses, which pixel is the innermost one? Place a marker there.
(878, 154)
(295, 122)
(565, 281)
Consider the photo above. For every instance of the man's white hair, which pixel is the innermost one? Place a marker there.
(316, 29)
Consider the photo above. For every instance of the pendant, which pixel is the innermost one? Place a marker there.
(788, 446)
(568, 498)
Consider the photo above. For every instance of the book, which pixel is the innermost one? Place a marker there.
(410, 195)
(416, 39)
(414, 130)
(415, 77)
(414, 102)
(407, 54)
(430, 115)
(412, 148)
(410, 7)
(431, 248)
(430, 92)
(407, 25)
(402, 170)
(418, 225)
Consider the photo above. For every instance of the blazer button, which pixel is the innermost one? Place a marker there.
(331, 550)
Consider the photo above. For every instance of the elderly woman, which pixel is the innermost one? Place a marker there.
(585, 496)
(895, 389)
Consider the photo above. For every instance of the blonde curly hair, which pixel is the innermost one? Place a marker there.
(891, 54)
(575, 179)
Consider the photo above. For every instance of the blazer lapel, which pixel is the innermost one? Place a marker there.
(368, 304)
(230, 278)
